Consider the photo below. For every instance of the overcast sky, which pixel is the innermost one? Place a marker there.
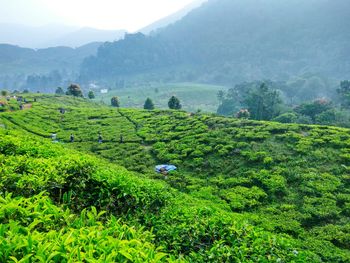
(103, 14)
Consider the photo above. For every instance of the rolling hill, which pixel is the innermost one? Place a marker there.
(244, 191)
(230, 41)
(158, 25)
(18, 60)
(52, 35)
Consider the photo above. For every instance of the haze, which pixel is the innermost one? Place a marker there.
(103, 14)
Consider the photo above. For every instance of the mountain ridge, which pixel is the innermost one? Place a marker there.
(54, 35)
(226, 41)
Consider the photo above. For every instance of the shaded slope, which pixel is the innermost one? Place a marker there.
(18, 60)
(226, 41)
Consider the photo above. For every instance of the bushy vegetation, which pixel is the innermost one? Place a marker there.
(245, 191)
(115, 102)
(174, 103)
(148, 104)
(74, 90)
(263, 101)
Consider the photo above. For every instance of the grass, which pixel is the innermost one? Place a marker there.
(193, 97)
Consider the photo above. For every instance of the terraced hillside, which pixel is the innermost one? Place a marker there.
(245, 191)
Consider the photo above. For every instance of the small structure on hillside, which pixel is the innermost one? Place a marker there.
(164, 169)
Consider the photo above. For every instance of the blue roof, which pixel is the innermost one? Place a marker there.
(167, 167)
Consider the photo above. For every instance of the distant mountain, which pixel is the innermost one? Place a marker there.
(54, 35)
(172, 18)
(14, 59)
(86, 35)
(32, 37)
(229, 41)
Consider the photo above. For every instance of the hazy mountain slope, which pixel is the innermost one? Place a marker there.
(14, 59)
(172, 18)
(54, 35)
(234, 40)
(86, 35)
(32, 37)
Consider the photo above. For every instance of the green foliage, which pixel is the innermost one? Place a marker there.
(74, 90)
(344, 93)
(243, 114)
(91, 95)
(289, 117)
(59, 91)
(34, 230)
(261, 99)
(241, 197)
(115, 102)
(262, 102)
(313, 109)
(240, 183)
(4, 93)
(148, 104)
(174, 103)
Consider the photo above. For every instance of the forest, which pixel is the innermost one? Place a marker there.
(296, 102)
(232, 41)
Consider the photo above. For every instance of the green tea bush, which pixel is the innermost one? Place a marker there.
(285, 182)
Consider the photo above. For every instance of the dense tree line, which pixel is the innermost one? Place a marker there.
(263, 101)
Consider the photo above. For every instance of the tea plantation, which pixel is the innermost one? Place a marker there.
(244, 191)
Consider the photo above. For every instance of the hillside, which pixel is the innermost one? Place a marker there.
(18, 60)
(193, 97)
(53, 35)
(152, 28)
(245, 191)
(226, 42)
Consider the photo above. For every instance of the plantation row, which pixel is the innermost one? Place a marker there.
(290, 180)
(71, 225)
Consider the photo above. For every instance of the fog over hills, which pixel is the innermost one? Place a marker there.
(14, 59)
(226, 41)
(54, 35)
(172, 18)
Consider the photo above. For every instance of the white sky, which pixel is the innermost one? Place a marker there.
(103, 14)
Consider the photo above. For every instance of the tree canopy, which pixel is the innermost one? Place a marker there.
(148, 104)
(174, 103)
(74, 90)
(59, 91)
(115, 102)
(91, 95)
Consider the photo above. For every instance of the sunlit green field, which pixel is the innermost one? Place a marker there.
(244, 191)
(193, 97)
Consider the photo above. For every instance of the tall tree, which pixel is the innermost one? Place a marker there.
(262, 102)
(174, 103)
(148, 104)
(312, 109)
(91, 95)
(4, 93)
(344, 93)
(59, 91)
(74, 90)
(220, 95)
(115, 102)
